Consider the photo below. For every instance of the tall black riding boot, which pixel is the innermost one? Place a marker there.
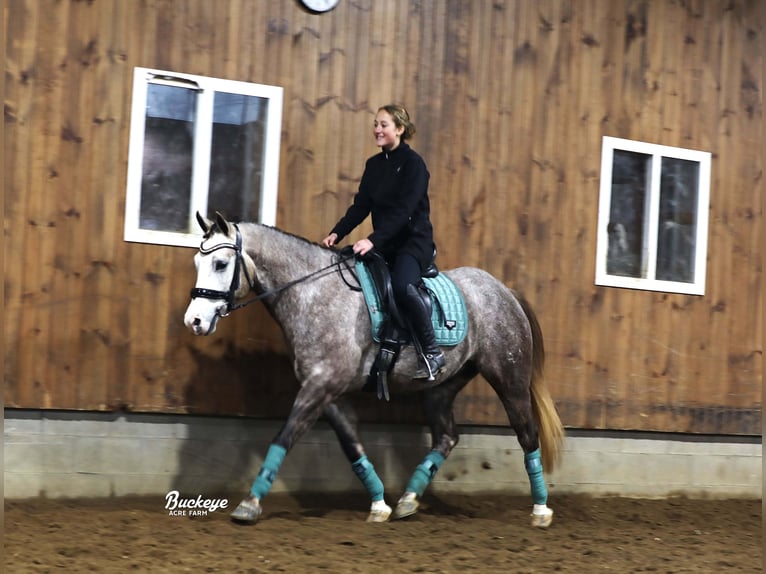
(419, 314)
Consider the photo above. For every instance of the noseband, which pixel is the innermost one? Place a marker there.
(239, 262)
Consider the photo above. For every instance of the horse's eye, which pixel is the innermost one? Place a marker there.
(220, 265)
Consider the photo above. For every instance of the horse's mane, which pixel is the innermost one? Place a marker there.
(215, 229)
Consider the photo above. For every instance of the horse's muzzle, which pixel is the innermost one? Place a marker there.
(196, 327)
(197, 323)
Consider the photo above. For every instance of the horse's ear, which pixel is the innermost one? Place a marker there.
(221, 221)
(203, 223)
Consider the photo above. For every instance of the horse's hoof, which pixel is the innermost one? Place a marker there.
(379, 512)
(543, 520)
(248, 511)
(407, 506)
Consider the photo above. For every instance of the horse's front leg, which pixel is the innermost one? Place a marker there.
(306, 409)
(343, 420)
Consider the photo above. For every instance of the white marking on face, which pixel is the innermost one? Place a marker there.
(214, 272)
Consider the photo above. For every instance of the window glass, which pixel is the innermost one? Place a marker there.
(236, 167)
(627, 213)
(677, 230)
(166, 174)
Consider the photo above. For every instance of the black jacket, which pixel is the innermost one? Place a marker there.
(394, 189)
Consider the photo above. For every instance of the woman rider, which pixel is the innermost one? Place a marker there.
(394, 191)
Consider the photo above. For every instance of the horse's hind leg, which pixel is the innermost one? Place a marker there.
(343, 420)
(514, 393)
(437, 408)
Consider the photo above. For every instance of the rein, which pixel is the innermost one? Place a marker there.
(229, 296)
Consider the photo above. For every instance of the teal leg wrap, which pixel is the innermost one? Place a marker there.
(262, 483)
(536, 480)
(425, 472)
(366, 472)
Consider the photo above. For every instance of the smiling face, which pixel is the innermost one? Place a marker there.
(387, 134)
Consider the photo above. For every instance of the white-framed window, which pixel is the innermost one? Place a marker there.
(653, 217)
(199, 144)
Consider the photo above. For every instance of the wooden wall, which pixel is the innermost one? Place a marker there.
(511, 99)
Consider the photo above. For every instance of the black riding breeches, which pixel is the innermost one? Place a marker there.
(404, 271)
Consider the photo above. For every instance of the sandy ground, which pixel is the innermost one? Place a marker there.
(327, 534)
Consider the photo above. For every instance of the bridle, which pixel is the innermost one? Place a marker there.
(239, 263)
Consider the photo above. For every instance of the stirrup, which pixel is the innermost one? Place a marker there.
(434, 363)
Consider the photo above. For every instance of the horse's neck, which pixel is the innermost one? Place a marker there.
(321, 308)
(280, 257)
(306, 308)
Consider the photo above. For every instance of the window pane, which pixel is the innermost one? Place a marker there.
(677, 232)
(167, 161)
(236, 167)
(627, 213)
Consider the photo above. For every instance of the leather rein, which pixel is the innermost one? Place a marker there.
(230, 295)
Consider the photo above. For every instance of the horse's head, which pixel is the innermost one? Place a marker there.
(223, 275)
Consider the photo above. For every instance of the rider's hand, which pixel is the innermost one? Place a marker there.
(330, 240)
(363, 246)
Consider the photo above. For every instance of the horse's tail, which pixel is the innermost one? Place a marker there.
(550, 428)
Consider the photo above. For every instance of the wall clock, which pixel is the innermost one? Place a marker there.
(320, 6)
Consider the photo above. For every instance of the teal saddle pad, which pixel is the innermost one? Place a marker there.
(448, 312)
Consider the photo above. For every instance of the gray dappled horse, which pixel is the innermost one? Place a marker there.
(327, 328)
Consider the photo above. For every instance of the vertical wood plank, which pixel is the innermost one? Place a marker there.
(40, 216)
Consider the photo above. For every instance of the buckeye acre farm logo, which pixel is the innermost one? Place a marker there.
(176, 505)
